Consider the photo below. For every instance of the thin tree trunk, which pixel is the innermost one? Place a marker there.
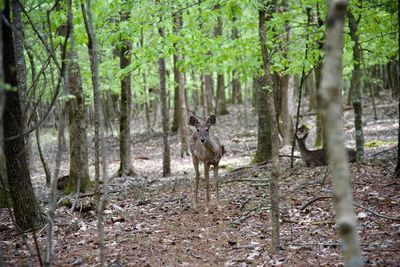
(355, 86)
(209, 88)
(397, 170)
(263, 152)
(331, 111)
(274, 187)
(204, 95)
(183, 117)
(220, 102)
(164, 113)
(126, 166)
(99, 125)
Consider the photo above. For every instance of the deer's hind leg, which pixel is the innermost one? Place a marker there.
(197, 177)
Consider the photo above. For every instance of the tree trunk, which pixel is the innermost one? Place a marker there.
(274, 188)
(126, 167)
(209, 88)
(220, 103)
(164, 112)
(397, 170)
(79, 178)
(26, 208)
(355, 86)
(331, 107)
(204, 96)
(183, 117)
(236, 86)
(264, 124)
(99, 127)
(175, 121)
(312, 91)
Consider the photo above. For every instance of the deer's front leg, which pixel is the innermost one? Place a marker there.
(197, 177)
(216, 167)
(207, 180)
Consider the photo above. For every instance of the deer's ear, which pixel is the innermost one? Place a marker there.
(193, 121)
(211, 120)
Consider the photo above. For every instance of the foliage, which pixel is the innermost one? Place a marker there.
(288, 35)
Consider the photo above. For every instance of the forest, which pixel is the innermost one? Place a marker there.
(199, 133)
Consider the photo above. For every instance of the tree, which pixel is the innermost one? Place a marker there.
(263, 152)
(126, 167)
(220, 103)
(330, 97)
(164, 112)
(355, 86)
(274, 127)
(183, 128)
(26, 208)
(79, 179)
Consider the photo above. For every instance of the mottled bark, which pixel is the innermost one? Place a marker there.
(312, 91)
(220, 101)
(164, 112)
(330, 100)
(263, 152)
(79, 178)
(26, 208)
(209, 88)
(175, 120)
(274, 187)
(183, 117)
(355, 86)
(126, 166)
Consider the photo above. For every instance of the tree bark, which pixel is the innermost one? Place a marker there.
(26, 208)
(79, 178)
(126, 166)
(183, 117)
(355, 86)
(264, 125)
(330, 97)
(99, 127)
(274, 187)
(220, 103)
(397, 170)
(164, 112)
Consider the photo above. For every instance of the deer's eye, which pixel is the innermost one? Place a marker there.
(207, 130)
(198, 130)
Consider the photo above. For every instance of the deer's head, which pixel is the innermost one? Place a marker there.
(202, 127)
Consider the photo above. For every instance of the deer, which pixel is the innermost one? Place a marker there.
(318, 157)
(207, 149)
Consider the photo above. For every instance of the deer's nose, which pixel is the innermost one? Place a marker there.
(203, 140)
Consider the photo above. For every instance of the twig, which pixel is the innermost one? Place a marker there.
(376, 213)
(355, 204)
(245, 202)
(314, 200)
(384, 151)
(242, 180)
(246, 215)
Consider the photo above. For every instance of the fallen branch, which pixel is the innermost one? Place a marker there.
(246, 215)
(376, 213)
(355, 204)
(243, 180)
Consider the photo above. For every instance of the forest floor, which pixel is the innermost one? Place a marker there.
(149, 220)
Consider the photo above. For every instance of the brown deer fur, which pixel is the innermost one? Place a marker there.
(318, 157)
(206, 148)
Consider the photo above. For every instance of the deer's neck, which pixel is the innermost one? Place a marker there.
(302, 145)
(210, 147)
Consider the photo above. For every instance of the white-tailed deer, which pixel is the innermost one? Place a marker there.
(206, 148)
(318, 157)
